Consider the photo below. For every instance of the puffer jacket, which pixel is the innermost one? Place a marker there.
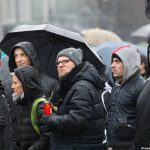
(6, 138)
(121, 121)
(27, 137)
(79, 122)
(142, 138)
(49, 85)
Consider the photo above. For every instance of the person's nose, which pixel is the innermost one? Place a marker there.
(60, 65)
(113, 65)
(12, 87)
(18, 58)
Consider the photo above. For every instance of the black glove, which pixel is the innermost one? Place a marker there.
(44, 129)
(43, 124)
(47, 121)
(43, 121)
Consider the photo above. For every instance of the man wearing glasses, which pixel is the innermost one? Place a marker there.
(79, 122)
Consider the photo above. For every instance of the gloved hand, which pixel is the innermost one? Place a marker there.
(44, 129)
(47, 121)
(2, 121)
(43, 124)
(43, 121)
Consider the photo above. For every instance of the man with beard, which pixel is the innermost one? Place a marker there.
(79, 122)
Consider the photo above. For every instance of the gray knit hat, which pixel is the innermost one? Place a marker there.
(74, 54)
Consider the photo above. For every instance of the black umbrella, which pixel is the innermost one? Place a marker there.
(48, 40)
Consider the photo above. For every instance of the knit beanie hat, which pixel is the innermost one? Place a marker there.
(74, 54)
(116, 56)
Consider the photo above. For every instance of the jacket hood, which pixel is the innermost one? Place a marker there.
(29, 77)
(89, 73)
(130, 58)
(28, 48)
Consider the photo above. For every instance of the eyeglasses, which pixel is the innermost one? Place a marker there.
(63, 62)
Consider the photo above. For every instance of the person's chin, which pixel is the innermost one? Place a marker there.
(115, 75)
(21, 65)
(61, 76)
(17, 98)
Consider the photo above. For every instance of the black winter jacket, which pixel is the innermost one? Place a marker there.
(79, 122)
(121, 120)
(27, 137)
(6, 140)
(142, 138)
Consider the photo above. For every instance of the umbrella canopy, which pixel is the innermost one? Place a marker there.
(143, 31)
(48, 40)
(98, 36)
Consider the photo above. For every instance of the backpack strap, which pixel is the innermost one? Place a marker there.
(33, 113)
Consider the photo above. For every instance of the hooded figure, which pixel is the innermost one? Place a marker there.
(49, 85)
(27, 88)
(121, 121)
(79, 122)
(28, 56)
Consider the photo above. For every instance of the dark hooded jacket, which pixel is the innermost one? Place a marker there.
(79, 122)
(121, 120)
(27, 138)
(6, 140)
(49, 85)
(142, 139)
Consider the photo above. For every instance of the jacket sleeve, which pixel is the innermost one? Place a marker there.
(109, 121)
(79, 113)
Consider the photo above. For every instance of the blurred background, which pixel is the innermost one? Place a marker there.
(99, 21)
(119, 16)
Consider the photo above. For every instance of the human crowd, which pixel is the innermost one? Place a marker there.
(89, 116)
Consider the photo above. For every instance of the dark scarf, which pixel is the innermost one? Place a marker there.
(68, 80)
